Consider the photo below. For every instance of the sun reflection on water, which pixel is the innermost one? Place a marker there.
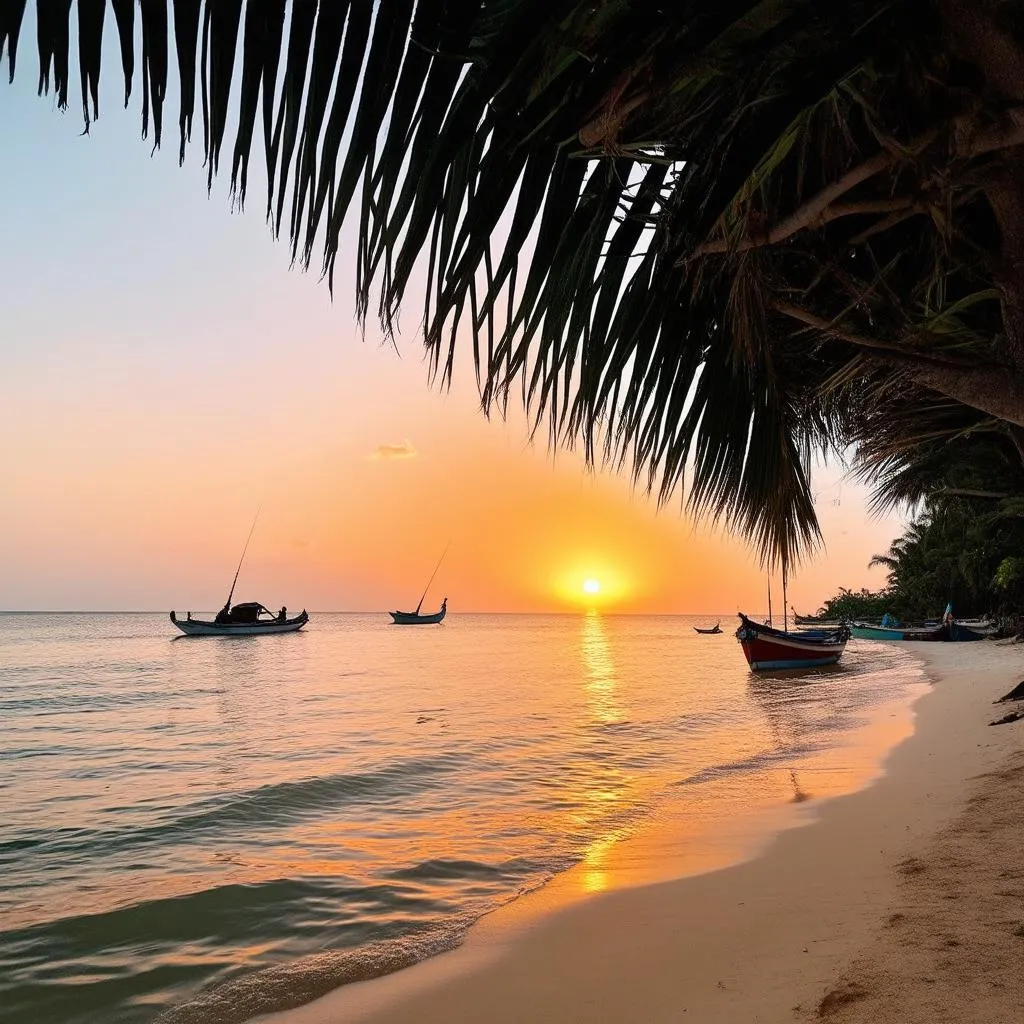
(600, 682)
(600, 686)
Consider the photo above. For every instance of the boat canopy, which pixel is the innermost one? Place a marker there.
(246, 612)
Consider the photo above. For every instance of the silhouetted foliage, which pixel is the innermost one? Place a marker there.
(704, 237)
(860, 604)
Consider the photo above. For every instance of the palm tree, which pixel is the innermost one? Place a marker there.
(704, 237)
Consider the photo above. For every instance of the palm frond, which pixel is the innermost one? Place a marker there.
(702, 238)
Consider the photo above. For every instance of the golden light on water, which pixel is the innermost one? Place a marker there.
(591, 586)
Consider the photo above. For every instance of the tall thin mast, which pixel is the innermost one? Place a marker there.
(769, 600)
(231, 592)
(432, 575)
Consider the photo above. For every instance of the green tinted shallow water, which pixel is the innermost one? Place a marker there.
(283, 814)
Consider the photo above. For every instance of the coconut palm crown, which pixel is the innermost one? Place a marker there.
(703, 237)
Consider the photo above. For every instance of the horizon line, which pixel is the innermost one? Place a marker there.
(119, 611)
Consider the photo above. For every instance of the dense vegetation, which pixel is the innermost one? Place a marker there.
(963, 551)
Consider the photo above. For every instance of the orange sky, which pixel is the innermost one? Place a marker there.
(165, 375)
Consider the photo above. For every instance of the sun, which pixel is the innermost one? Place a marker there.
(591, 586)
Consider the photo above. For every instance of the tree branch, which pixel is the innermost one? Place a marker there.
(893, 352)
(1000, 137)
(967, 492)
(813, 210)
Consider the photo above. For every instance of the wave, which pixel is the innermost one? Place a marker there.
(766, 759)
(266, 807)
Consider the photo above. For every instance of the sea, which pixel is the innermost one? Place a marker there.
(206, 829)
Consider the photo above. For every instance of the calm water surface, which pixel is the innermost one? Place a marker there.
(204, 829)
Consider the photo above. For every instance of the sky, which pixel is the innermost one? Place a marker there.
(166, 374)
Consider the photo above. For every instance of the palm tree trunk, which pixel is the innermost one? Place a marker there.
(996, 390)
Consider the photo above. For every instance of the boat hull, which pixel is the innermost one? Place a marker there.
(768, 649)
(863, 632)
(412, 619)
(199, 627)
(954, 633)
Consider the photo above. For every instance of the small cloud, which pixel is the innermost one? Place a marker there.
(300, 542)
(402, 450)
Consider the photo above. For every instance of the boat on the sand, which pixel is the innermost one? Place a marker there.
(955, 632)
(767, 648)
(948, 630)
(248, 619)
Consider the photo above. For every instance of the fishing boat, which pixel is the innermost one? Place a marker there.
(948, 630)
(716, 628)
(954, 632)
(247, 619)
(767, 648)
(417, 618)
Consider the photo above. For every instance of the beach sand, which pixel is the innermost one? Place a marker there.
(903, 902)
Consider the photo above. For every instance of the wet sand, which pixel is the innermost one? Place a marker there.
(903, 902)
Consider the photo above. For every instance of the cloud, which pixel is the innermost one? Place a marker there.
(402, 450)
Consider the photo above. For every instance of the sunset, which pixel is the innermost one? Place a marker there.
(495, 497)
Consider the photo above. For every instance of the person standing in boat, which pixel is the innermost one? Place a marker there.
(224, 615)
(282, 615)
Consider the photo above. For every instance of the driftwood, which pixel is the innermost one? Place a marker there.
(1013, 716)
(1017, 693)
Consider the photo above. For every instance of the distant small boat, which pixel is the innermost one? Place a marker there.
(717, 628)
(245, 619)
(416, 619)
(767, 648)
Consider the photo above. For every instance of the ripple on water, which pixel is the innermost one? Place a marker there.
(203, 831)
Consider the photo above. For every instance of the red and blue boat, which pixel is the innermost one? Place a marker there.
(767, 648)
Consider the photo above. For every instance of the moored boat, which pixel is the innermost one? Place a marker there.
(247, 619)
(767, 648)
(417, 619)
(250, 618)
(716, 628)
(948, 629)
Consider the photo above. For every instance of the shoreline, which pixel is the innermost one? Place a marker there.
(763, 940)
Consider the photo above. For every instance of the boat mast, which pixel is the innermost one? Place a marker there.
(432, 575)
(769, 599)
(231, 592)
(785, 613)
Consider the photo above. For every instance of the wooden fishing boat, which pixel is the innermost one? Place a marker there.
(717, 628)
(865, 631)
(767, 648)
(950, 632)
(417, 619)
(247, 619)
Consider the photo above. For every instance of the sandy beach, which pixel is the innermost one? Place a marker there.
(901, 902)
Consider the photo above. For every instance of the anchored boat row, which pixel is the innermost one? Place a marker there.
(254, 619)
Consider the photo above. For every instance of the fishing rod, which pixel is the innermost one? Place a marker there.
(231, 593)
(432, 575)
